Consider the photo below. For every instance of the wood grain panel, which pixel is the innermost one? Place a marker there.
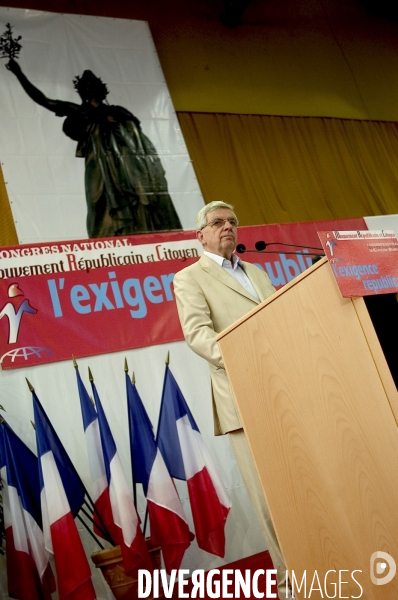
(321, 429)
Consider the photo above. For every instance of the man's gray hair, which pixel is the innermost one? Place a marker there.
(201, 220)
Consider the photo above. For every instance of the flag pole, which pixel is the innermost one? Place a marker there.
(132, 470)
(126, 370)
(101, 528)
(104, 533)
(167, 362)
(82, 521)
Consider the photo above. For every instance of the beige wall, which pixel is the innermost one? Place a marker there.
(297, 58)
(288, 57)
(299, 61)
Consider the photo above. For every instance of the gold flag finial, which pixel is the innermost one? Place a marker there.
(90, 375)
(168, 359)
(1, 419)
(33, 425)
(74, 362)
(126, 367)
(133, 378)
(30, 386)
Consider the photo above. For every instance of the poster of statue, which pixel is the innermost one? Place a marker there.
(90, 144)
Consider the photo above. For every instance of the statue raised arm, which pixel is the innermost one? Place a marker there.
(125, 184)
(32, 91)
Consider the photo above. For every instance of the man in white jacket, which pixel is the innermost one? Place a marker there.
(211, 295)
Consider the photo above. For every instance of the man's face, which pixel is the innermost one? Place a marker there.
(219, 240)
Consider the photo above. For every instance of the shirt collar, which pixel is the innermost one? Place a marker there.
(220, 260)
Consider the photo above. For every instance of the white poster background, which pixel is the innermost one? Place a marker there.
(44, 178)
(383, 222)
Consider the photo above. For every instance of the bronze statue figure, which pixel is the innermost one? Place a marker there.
(126, 188)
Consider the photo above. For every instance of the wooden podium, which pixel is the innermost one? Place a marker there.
(320, 411)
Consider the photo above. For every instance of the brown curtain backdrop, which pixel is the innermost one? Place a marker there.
(8, 234)
(286, 169)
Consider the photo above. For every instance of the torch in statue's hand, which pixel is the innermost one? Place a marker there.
(9, 47)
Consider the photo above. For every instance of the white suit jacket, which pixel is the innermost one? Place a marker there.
(209, 299)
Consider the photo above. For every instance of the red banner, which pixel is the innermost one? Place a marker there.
(364, 263)
(86, 313)
(89, 297)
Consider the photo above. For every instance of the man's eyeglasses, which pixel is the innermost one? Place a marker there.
(217, 223)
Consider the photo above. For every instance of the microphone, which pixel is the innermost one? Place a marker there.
(241, 248)
(261, 245)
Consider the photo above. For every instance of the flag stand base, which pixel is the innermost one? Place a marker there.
(110, 562)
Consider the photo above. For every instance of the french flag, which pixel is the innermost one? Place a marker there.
(73, 485)
(187, 458)
(12, 579)
(128, 532)
(28, 571)
(169, 528)
(60, 532)
(103, 518)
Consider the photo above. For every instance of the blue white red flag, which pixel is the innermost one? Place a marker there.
(188, 458)
(103, 517)
(127, 523)
(12, 576)
(12, 580)
(169, 528)
(60, 532)
(73, 485)
(29, 573)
